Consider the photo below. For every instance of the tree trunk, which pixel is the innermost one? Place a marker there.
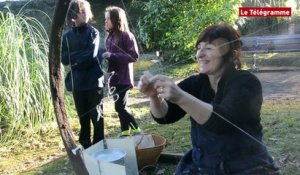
(56, 86)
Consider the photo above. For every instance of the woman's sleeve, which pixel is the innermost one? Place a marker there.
(70, 56)
(240, 105)
(129, 52)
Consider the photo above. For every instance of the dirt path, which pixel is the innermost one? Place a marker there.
(283, 85)
(277, 85)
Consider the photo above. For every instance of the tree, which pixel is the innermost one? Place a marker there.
(175, 24)
(57, 88)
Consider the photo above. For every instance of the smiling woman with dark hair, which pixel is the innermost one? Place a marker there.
(224, 105)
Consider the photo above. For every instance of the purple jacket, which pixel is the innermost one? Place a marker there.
(124, 54)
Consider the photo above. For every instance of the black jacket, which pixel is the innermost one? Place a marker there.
(218, 146)
(80, 50)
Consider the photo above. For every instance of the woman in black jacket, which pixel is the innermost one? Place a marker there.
(224, 105)
(80, 48)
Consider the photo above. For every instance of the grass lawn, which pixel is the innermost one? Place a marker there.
(45, 154)
(289, 59)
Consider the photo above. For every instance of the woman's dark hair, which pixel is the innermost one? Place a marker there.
(118, 19)
(232, 36)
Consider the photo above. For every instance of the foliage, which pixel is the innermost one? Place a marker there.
(175, 24)
(25, 97)
(296, 20)
(262, 26)
(260, 3)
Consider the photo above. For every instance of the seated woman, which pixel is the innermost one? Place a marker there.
(224, 105)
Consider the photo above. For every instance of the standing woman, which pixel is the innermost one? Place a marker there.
(80, 48)
(122, 52)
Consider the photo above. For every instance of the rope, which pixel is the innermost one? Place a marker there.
(165, 67)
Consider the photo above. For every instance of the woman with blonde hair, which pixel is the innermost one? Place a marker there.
(80, 48)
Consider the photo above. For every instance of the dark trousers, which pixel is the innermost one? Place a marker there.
(120, 97)
(187, 166)
(88, 107)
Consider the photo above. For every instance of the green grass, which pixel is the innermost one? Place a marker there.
(174, 69)
(45, 154)
(272, 59)
(281, 133)
(281, 128)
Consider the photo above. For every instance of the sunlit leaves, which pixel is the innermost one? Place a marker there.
(175, 24)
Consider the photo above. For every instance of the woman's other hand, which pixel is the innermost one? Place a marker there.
(159, 86)
(166, 88)
(145, 86)
(106, 55)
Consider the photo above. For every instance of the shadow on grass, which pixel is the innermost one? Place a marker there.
(59, 166)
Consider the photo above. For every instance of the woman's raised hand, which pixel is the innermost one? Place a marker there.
(159, 85)
(146, 86)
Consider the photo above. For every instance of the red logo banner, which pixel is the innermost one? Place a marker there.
(265, 12)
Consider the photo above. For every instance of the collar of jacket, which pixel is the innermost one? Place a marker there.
(79, 28)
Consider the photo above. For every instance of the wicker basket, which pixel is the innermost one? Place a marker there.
(149, 156)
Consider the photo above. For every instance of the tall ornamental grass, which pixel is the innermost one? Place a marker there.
(25, 98)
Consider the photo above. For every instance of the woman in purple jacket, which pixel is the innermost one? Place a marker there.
(122, 52)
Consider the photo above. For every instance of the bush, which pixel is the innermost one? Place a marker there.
(175, 24)
(25, 97)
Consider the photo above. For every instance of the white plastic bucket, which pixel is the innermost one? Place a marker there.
(116, 156)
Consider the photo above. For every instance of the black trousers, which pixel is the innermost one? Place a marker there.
(89, 108)
(120, 96)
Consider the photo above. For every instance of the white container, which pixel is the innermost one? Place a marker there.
(116, 156)
(105, 166)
